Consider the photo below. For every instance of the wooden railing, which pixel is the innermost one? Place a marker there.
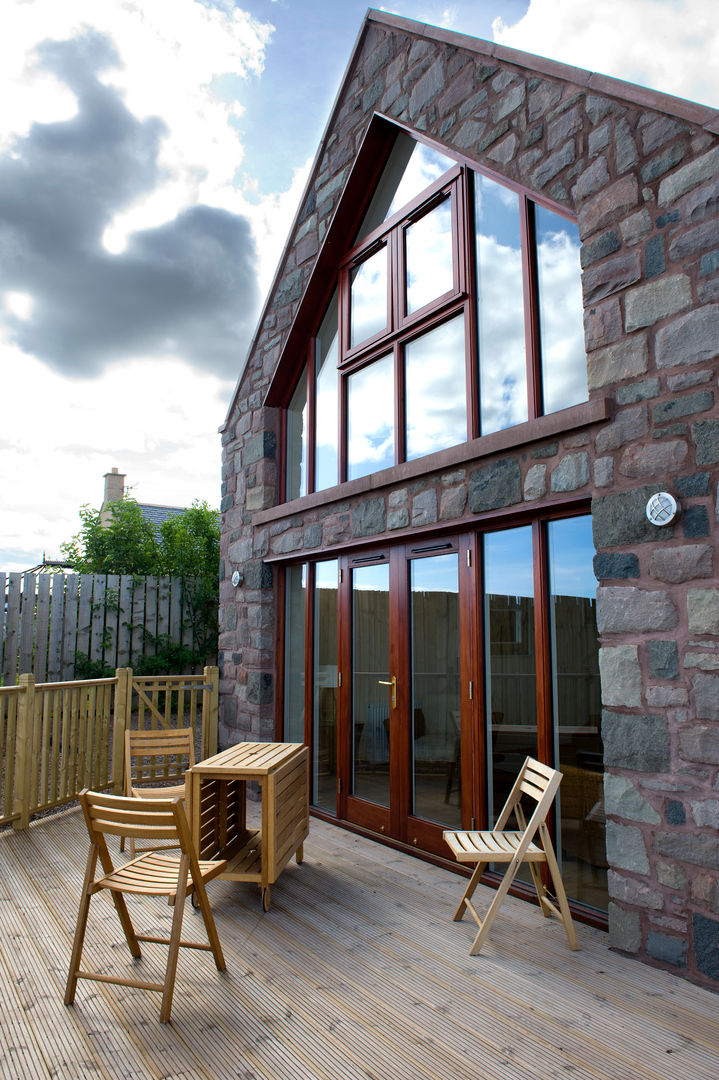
(58, 738)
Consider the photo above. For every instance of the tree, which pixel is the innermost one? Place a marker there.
(124, 544)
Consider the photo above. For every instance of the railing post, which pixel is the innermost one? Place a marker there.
(23, 751)
(121, 723)
(210, 710)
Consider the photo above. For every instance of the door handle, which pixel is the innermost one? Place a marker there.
(393, 683)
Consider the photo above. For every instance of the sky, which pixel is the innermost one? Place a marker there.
(152, 156)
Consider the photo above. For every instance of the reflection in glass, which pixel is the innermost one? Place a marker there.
(324, 721)
(410, 169)
(295, 607)
(370, 418)
(297, 441)
(435, 689)
(564, 364)
(435, 389)
(428, 256)
(500, 307)
(509, 659)
(368, 300)
(326, 401)
(371, 701)
(577, 710)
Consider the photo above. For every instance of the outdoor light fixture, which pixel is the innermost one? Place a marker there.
(237, 578)
(662, 508)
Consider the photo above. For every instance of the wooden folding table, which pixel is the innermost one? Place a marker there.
(216, 800)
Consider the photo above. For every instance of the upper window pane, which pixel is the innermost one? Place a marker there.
(368, 303)
(412, 167)
(435, 389)
(564, 364)
(297, 441)
(326, 401)
(500, 307)
(428, 255)
(370, 418)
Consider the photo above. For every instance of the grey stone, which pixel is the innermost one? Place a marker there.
(313, 536)
(620, 676)
(509, 101)
(704, 660)
(262, 445)
(687, 847)
(546, 451)
(258, 575)
(625, 931)
(690, 176)
(230, 611)
(369, 518)
(703, 611)
(691, 339)
(626, 609)
(636, 227)
(626, 851)
(599, 140)
(706, 696)
(543, 98)
(702, 203)
(706, 438)
(611, 276)
(639, 743)
(663, 659)
(666, 697)
(646, 304)
(289, 541)
(700, 238)
(608, 205)
(431, 84)
(624, 360)
(669, 950)
(616, 565)
(705, 933)
(563, 127)
(553, 164)
(625, 147)
(603, 469)
(571, 473)
(260, 689)
(655, 459)
(591, 180)
(397, 498)
(398, 519)
(658, 132)
(504, 151)
(662, 163)
(684, 563)
(706, 813)
(674, 877)
(602, 324)
(622, 799)
(700, 743)
(709, 264)
(630, 424)
(654, 263)
(452, 502)
(675, 813)
(469, 134)
(637, 391)
(424, 508)
(696, 484)
(620, 519)
(494, 486)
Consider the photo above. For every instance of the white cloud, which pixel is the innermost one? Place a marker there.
(669, 45)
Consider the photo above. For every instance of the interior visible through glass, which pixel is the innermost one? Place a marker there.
(295, 607)
(371, 697)
(324, 720)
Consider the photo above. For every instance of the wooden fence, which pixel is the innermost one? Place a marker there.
(58, 738)
(49, 619)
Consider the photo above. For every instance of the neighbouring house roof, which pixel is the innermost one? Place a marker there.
(157, 514)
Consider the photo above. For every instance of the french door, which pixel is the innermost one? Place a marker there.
(406, 702)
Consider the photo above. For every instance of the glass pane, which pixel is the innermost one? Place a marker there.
(295, 608)
(577, 705)
(435, 689)
(564, 363)
(370, 418)
(410, 169)
(371, 701)
(428, 255)
(435, 389)
(326, 401)
(509, 658)
(297, 441)
(324, 721)
(500, 307)
(368, 301)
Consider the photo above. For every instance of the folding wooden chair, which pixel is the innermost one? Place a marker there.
(152, 874)
(148, 757)
(539, 783)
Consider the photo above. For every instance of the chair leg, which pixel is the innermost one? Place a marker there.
(565, 915)
(81, 927)
(485, 923)
(174, 941)
(469, 891)
(212, 935)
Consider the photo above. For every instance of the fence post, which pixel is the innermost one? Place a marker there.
(23, 754)
(210, 709)
(121, 723)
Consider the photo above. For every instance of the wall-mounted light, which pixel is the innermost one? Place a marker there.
(237, 578)
(662, 509)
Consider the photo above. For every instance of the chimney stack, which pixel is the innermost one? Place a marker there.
(114, 490)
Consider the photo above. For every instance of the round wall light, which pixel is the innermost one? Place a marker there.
(237, 578)
(662, 508)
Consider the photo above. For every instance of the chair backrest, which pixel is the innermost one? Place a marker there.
(120, 815)
(538, 782)
(148, 755)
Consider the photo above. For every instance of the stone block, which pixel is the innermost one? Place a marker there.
(658, 459)
(494, 486)
(689, 176)
(260, 687)
(639, 743)
(398, 519)
(258, 575)
(591, 180)
(706, 696)
(705, 933)
(611, 276)
(701, 238)
(369, 518)
(620, 676)
(636, 227)
(700, 743)
(603, 470)
(616, 565)
(667, 949)
(654, 263)
(552, 165)
(675, 812)
(313, 536)
(429, 86)
(604, 245)
(626, 359)
(699, 849)
(622, 799)
(646, 304)
(424, 508)
(706, 439)
(398, 498)
(663, 659)
(691, 339)
(289, 541)
(696, 484)
(602, 324)
(674, 877)
(571, 473)
(625, 930)
(627, 609)
(630, 424)
(620, 519)
(705, 813)
(452, 502)
(662, 163)
(509, 101)
(706, 661)
(633, 392)
(703, 611)
(676, 564)
(666, 697)
(608, 205)
(626, 850)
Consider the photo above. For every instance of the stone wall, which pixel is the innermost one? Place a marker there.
(640, 174)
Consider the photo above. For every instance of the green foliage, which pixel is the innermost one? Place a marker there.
(124, 544)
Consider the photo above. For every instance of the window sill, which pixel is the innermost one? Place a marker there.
(544, 427)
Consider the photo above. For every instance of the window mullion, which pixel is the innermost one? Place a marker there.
(531, 310)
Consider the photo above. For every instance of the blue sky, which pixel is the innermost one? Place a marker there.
(152, 154)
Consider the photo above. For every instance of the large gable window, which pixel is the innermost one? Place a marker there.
(457, 312)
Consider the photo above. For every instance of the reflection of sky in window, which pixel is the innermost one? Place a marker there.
(428, 247)
(297, 440)
(369, 297)
(326, 574)
(411, 168)
(436, 573)
(571, 555)
(508, 568)
(326, 406)
(564, 368)
(500, 307)
(435, 389)
(370, 423)
(375, 578)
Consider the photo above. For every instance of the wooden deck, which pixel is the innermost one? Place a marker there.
(356, 973)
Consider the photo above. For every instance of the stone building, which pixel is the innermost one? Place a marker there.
(490, 342)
